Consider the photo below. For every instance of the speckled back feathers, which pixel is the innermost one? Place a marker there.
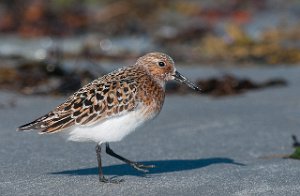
(114, 94)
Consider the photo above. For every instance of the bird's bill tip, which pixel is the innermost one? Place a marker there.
(180, 78)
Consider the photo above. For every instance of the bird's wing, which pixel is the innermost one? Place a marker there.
(99, 100)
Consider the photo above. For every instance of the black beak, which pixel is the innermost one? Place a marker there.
(180, 78)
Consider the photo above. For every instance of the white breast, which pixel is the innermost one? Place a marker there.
(111, 130)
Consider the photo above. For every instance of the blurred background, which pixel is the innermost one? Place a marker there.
(54, 47)
(206, 142)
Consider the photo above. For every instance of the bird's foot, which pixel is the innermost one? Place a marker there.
(141, 167)
(110, 180)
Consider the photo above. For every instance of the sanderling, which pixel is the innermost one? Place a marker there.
(114, 105)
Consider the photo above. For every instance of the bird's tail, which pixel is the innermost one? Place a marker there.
(34, 125)
(37, 124)
(28, 126)
(49, 123)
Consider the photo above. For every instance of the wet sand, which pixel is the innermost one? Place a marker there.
(200, 145)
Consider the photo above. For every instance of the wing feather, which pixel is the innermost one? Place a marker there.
(99, 100)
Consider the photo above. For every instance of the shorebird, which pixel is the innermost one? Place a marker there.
(114, 105)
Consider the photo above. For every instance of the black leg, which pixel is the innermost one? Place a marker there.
(135, 165)
(101, 176)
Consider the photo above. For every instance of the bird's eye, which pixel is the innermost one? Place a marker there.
(161, 64)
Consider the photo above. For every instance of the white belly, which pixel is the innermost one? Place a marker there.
(111, 130)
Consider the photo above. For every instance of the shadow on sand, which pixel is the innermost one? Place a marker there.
(162, 166)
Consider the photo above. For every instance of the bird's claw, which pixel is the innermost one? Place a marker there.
(109, 180)
(141, 167)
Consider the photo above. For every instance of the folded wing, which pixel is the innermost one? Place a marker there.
(95, 102)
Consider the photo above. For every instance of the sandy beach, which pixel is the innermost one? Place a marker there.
(199, 144)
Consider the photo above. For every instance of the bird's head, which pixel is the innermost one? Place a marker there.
(162, 67)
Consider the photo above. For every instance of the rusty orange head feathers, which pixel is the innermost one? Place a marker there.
(161, 67)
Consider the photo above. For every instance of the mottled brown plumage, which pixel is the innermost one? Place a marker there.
(113, 94)
(111, 107)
